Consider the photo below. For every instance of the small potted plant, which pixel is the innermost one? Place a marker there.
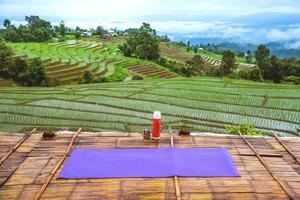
(48, 135)
(184, 130)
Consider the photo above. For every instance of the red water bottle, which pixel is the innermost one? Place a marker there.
(156, 125)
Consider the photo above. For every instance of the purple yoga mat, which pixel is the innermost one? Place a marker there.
(160, 162)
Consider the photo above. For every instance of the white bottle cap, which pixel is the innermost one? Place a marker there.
(156, 115)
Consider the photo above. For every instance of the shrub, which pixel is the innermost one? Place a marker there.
(252, 73)
(52, 82)
(6, 59)
(292, 79)
(87, 77)
(62, 39)
(77, 35)
(137, 77)
(214, 71)
(245, 129)
(34, 74)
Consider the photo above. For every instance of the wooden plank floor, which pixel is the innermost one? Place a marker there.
(26, 170)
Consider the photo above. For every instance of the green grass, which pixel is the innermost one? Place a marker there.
(203, 104)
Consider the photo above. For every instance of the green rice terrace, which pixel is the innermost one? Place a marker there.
(66, 62)
(202, 104)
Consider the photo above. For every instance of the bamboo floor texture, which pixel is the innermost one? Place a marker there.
(29, 165)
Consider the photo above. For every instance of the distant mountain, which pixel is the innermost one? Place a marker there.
(276, 48)
(279, 49)
(238, 46)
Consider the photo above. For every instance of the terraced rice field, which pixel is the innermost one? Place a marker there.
(67, 61)
(174, 53)
(179, 54)
(151, 71)
(203, 104)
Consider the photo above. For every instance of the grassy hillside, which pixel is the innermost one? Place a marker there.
(180, 53)
(204, 104)
(67, 61)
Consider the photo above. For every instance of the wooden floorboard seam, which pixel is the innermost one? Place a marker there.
(45, 185)
(12, 150)
(282, 185)
(176, 181)
(297, 160)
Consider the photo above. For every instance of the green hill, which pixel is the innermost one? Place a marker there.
(67, 61)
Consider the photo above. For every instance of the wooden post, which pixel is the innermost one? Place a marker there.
(17, 146)
(45, 185)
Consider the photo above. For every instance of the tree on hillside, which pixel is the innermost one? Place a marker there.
(143, 44)
(131, 31)
(17, 68)
(228, 62)
(262, 55)
(34, 74)
(11, 34)
(5, 58)
(165, 38)
(248, 56)
(188, 46)
(100, 31)
(87, 77)
(197, 61)
(77, 35)
(276, 71)
(196, 48)
(36, 30)
(194, 66)
(62, 29)
(6, 23)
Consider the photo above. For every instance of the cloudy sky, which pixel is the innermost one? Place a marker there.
(253, 21)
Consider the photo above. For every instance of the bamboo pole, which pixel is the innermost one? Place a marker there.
(45, 185)
(287, 149)
(176, 182)
(12, 150)
(267, 167)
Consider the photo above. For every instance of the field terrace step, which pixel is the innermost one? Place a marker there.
(154, 72)
(150, 70)
(165, 74)
(100, 73)
(170, 76)
(47, 61)
(77, 73)
(99, 48)
(61, 67)
(139, 66)
(70, 78)
(68, 70)
(97, 72)
(54, 63)
(145, 69)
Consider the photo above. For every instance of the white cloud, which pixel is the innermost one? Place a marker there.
(293, 45)
(190, 18)
(124, 9)
(284, 35)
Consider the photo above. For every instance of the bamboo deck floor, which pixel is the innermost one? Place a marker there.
(25, 171)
